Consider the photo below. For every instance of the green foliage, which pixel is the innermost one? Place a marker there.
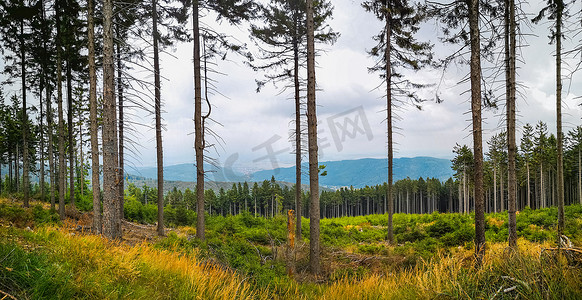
(31, 275)
(84, 202)
(135, 211)
(23, 217)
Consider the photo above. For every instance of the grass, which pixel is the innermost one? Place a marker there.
(243, 258)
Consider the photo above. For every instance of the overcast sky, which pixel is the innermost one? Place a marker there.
(350, 109)
(349, 100)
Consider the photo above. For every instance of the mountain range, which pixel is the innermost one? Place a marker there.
(357, 173)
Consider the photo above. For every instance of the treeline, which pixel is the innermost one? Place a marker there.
(536, 185)
(536, 170)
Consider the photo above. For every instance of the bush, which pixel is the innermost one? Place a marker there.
(439, 228)
(411, 236)
(84, 202)
(466, 233)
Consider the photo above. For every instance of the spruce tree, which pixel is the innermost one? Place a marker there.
(282, 45)
(397, 49)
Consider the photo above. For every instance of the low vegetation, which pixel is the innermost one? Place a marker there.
(244, 258)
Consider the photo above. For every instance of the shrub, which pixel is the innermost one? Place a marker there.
(439, 228)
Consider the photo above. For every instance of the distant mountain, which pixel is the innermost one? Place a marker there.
(208, 185)
(358, 173)
(187, 173)
(367, 171)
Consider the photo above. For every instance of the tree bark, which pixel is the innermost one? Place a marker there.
(298, 192)
(477, 130)
(61, 128)
(94, 131)
(528, 186)
(579, 176)
(199, 134)
(41, 133)
(314, 261)
(559, 132)
(121, 124)
(158, 104)
(111, 221)
(494, 189)
(49, 121)
(511, 144)
(25, 152)
(70, 133)
(389, 193)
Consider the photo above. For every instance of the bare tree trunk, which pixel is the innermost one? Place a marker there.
(465, 193)
(199, 131)
(111, 221)
(61, 129)
(511, 144)
(81, 174)
(314, 262)
(49, 121)
(158, 104)
(25, 152)
(494, 189)
(528, 186)
(579, 176)
(95, 186)
(477, 130)
(389, 193)
(559, 132)
(120, 125)
(502, 195)
(70, 135)
(298, 189)
(41, 133)
(542, 188)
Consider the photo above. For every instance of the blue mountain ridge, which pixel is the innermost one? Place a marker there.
(357, 173)
(367, 171)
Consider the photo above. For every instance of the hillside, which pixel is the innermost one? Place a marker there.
(368, 171)
(357, 173)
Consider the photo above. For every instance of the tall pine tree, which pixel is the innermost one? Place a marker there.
(397, 49)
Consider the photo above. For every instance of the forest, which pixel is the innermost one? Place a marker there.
(505, 226)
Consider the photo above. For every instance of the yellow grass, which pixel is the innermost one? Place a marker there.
(100, 265)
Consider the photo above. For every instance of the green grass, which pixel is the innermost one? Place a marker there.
(244, 258)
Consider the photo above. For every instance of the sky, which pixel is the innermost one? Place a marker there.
(254, 127)
(351, 109)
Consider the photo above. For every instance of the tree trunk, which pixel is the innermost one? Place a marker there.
(25, 152)
(61, 128)
(559, 133)
(511, 144)
(41, 136)
(111, 221)
(70, 134)
(579, 176)
(121, 124)
(494, 189)
(477, 131)
(158, 112)
(94, 130)
(49, 121)
(81, 174)
(389, 193)
(465, 193)
(502, 194)
(199, 134)
(314, 262)
(298, 192)
(528, 186)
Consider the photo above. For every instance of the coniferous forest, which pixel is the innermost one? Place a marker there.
(84, 90)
